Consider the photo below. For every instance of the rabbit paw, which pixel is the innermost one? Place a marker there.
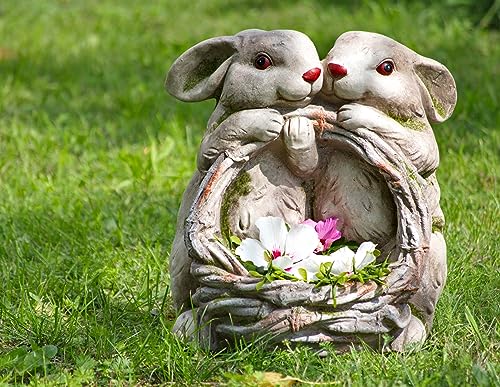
(264, 126)
(298, 133)
(300, 142)
(355, 116)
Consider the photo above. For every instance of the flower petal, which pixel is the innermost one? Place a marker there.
(253, 251)
(301, 241)
(364, 255)
(328, 242)
(327, 229)
(311, 265)
(283, 262)
(309, 222)
(272, 233)
(342, 260)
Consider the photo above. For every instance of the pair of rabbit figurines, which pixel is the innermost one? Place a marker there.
(295, 137)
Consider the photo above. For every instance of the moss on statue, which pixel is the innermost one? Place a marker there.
(239, 187)
(417, 312)
(205, 69)
(437, 224)
(412, 173)
(410, 123)
(439, 107)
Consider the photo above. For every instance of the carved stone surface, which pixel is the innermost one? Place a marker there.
(297, 138)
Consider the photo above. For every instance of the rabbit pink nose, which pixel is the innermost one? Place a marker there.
(337, 71)
(311, 75)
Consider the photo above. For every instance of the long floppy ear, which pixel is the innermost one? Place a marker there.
(198, 73)
(438, 89)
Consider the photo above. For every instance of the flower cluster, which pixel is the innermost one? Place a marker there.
(310, 251)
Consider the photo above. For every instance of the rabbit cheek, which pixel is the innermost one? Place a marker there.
(293, 94)
(349, 89)
(243, 89)
(295, 89)
(388, 95)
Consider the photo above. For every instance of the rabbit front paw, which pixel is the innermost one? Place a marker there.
(298, 134)
(265, 125)
(355, 116)
(300, 142)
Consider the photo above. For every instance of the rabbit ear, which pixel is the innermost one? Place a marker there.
(439, 93)
(198, 73)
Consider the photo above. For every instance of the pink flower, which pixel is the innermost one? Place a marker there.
(327, 232)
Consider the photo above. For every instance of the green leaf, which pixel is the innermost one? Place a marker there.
(13, 357)
(260, 284)
(49, 351)
(325, 268)
(254, 273)
(334, 295)
(303, 273)
(235, 240)
(339, 243)
(40, 357)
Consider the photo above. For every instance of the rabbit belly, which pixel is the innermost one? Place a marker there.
(356, 194)
(274, 191)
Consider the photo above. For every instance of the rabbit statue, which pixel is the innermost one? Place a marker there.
(381, 87)
(255, 77)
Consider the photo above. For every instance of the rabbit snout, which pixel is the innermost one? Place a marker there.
(300, 87)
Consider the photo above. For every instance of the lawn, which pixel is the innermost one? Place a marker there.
(95, 156)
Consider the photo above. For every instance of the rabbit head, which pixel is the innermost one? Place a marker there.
(375, 70)
(252, 69)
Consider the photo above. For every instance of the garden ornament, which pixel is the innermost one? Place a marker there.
(381, 87)
(255, 76)
(301, 198)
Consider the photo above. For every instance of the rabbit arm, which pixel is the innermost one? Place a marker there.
(300, 141)
(239, 135)
(414, 138)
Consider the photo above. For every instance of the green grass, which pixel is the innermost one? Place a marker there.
(94, 156)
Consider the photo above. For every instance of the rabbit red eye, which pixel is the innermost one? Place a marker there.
(385, 68)
(262, 62)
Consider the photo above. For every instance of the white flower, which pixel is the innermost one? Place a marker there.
(364, 255)
(344, 260)
(284, 247)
